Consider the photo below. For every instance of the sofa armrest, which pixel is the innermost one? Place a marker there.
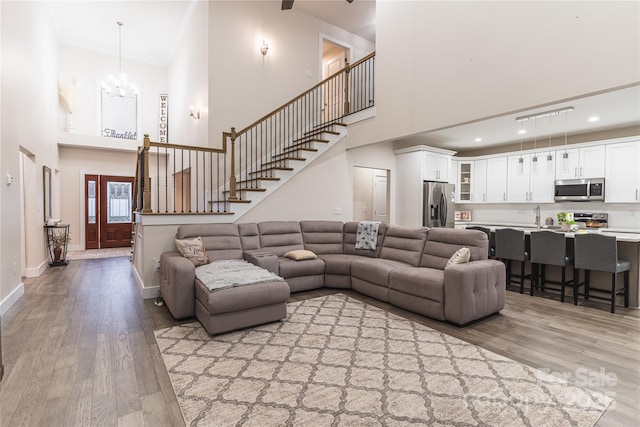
(264, 259)
(177, 284)
(473, 290)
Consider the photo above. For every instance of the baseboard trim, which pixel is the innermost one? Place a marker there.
(37, 271)
(11, 299)
(146, 292)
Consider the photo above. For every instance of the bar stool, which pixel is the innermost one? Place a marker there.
(595, 252)
(491, 250)
(511, 246)
(550, 248)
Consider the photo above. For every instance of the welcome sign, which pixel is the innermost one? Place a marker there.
(163, 123)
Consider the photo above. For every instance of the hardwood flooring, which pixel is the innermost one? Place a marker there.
(79, 349)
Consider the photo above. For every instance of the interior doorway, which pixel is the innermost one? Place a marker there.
(370, 194)
(334, 58)
(182, 182)
(108, 211)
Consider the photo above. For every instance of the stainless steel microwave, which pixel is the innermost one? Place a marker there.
(577, 190)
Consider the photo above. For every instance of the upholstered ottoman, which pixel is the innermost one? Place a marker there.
(230, 308)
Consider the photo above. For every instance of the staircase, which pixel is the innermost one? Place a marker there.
(276, 172)
(225, 183)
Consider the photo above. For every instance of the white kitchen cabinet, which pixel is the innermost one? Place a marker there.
(530, 180)
(622, 177)
(466, 178)
(497, 180)
(518, 179)
(436, 166)
(584, 162)
(479, 192)
(415, 165)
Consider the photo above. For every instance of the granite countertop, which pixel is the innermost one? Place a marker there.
(623, 235)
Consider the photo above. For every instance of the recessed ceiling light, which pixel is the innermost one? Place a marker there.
(522, 131)
(478, 139)
(593, 119)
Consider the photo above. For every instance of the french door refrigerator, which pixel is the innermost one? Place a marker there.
(439, 204)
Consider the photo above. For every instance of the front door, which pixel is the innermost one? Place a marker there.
(108, 211)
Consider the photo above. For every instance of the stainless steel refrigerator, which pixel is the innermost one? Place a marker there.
(439, 204)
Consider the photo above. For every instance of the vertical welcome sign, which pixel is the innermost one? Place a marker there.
(163, 124)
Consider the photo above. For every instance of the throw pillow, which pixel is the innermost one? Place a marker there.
(461, 256)
(193, 250)
(300, 255)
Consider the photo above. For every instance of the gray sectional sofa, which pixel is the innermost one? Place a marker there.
(407, 270)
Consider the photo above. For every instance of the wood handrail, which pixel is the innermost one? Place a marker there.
(282, 107)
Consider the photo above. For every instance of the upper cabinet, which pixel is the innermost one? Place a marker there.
(436, 166)
(530, 178)
(496, 182)
(584, 162)
(622, 179)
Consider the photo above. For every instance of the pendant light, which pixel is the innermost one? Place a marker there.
(549, 155)
(565, 155)
(534, 160)
(119, 86)
(521, 159)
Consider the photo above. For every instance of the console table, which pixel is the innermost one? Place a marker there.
(57, 240)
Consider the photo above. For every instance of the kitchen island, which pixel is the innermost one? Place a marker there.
(628, 249)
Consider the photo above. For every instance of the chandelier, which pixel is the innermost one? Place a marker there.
(119, 86)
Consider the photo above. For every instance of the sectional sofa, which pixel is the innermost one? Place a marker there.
(406, 269)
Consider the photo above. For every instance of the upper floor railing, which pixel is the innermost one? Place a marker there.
(180, 179)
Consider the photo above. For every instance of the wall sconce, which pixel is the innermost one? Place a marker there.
(264, 47)
(194, 114)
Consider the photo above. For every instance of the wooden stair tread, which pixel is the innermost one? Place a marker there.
(230, 201)
(260, 190)
(282, 159)
(263, 178)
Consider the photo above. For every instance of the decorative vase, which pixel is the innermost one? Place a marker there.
(565, 227)
(57, 253)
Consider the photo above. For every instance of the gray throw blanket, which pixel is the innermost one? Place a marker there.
(235, 272)
(367, 235)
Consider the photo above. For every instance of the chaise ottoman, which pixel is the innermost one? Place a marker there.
(240, 306)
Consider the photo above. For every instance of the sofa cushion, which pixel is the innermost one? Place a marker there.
(338, 264)
(375, 271)
(322, 237)
(309, 267)
(280, 237)
(300, 255)
(222, 241)
(404, 244)
(349, 246)
(444, 242)
(249, 236)
(421, 282)
(193, 250)
(461, 256)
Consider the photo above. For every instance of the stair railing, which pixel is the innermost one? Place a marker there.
(182, 179)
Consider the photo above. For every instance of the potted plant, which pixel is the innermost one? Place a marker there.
(58, 240)
(565, 219)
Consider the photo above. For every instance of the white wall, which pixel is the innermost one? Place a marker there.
(243, 85)
(441, 63)
(188, 77)
(88, 68)
(322, 191)
(29, 122)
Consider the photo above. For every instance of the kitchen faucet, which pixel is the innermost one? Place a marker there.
(538, 225)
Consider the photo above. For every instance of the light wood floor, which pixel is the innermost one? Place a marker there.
(79, 349)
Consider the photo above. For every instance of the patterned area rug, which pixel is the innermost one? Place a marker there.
(338, 361)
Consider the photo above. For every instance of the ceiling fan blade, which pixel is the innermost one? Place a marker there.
(288, 4)
(349, 1)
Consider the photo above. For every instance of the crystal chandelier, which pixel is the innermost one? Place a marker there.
(119, 86)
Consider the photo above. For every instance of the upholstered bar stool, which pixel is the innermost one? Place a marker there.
(550, 248)
(511, 246)
(596, 252)
(491, 249)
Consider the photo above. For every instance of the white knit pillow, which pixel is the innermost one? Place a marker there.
(461, 256)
